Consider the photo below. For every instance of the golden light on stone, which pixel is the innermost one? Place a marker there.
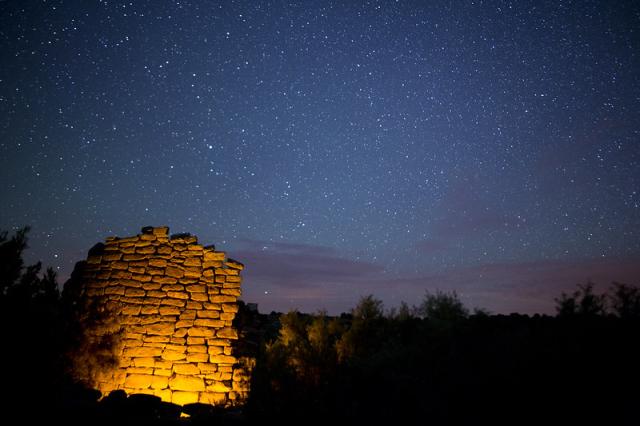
(171, 302)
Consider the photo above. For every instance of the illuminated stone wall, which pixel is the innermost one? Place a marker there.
(171, 302)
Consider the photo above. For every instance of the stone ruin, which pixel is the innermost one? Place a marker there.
(168, 305)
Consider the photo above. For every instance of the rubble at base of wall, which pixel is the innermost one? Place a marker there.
(172, 303)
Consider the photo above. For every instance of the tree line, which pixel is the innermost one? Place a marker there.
(437, 362)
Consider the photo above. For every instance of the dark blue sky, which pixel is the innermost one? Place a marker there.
(336, 148)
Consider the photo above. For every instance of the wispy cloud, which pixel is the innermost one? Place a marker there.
(282, 276)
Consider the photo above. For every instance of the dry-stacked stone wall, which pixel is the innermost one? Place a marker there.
(172, 303)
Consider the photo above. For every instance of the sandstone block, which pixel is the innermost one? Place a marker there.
(214, 256)
(194, 305)
(212, 306)
(178, 341)
(152, 319)
(207, 322)
(151, 286)
(231, 292)
(176, 348)
(224, 376)
(145, 249)
(130, 283)
(195, 340)
(141, 278)
(164, 249)
(161, 231)
(158, 263)
(172, 355)
(131, 310)
(156, 339)
(163, 329)
(184, 323)
(173, 302)
(173, 287)
(234, 264)
(139, 370)
(169, 310)
(208, 314)
(117, 274)
(227, 316)
(196, 288)
(199, 297)
(215, 350)
(200, 332)
(178, 295)
(155, 271)
(218, 387)
(180, 332)
(184, 398)
(159, 382)
(218, 342)
(156, 293)
(222, 299)
(103, 275)
(134, 257)
(163, 279)
(132, 300)
(230, 307)
(197, 357)
(114, 290)
(134, 292)
(162, 372)
(187, 369)
(221, 278)
(197, 349)
(142, 352)
(188, 314)
(186, 383)
(222, 359)
(120, 265)
(192, 272)
(110, 256)
(138, 381)
(136, 269)
(212, 398)
(193, 261)
(144, 362)
(227, 333)
(131, 343)
(174, 272)
(149, 310)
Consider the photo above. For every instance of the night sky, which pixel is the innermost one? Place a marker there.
(336, 148)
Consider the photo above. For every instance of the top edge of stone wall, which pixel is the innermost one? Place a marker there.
(162, 233)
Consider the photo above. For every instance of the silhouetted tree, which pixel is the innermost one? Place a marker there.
(401, 313)
(363, 335)
(583, 302)
(625, 300)
(441, 306)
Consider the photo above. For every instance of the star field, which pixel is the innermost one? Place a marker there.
(336, 148)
